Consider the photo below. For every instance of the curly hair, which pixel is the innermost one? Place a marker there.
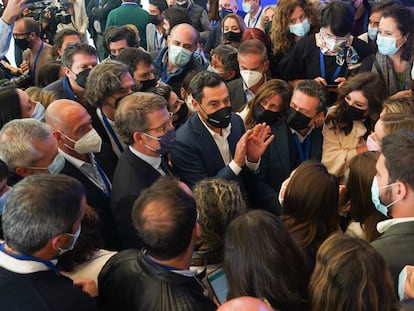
(280, 35)
(218, 202)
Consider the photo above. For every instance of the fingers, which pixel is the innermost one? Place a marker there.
(321, 80)
(88, 286)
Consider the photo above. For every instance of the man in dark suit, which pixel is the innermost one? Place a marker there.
(145, 126)
(393, 195)
(253, 65)
(297, 140)
(213, 142)
(78, 142)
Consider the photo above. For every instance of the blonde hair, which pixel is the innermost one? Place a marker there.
(398, 114)
(38, 94)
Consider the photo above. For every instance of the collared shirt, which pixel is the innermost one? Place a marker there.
(299, 136)
(384, 225)
(6, 32)
(22, 266)
(253, 22)
(248, 94)
(155, 162)
(114, 145)
(90, 170)
(223, 146)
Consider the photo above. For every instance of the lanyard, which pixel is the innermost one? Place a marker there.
(158, 42)
(303, 156)
(68, 90)
(47, 263)
(33, 73)
(105, 179)
(322, 68)
(112, 132)
(257, 19)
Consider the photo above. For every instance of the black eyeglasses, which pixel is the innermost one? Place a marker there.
(17, 35)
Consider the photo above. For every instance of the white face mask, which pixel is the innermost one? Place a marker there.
(90, 142)
(372, 145)
(251, 77)
(39, 112)
(189, 103)
(300, 29)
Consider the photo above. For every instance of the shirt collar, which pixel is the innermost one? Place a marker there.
(75, 161)
(300, 137)
(22, 266)
(155, 162)
(384, 225)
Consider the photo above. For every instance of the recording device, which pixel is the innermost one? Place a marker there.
(22, 82)
(218, 282)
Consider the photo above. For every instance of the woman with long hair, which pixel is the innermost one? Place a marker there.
(349, 122)
(262, 260)
(232, 29)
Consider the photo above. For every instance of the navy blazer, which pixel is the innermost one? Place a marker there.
(132, 175)
(236, 92)
(278, 162)
(196, 156)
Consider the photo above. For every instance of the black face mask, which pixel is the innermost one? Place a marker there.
(352, 113)
(232, 36)
(181, 115)
(224, 12)
(296, 120)
(153, 19)
(82, 77)
(23, 44)
(146, 85)
(220, 118)
(267, 27)
(267, 116)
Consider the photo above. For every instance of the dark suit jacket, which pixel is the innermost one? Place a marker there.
(96, 198)
(132, 175)
(196, 156)
(279, 160)
(236, 92)
(396, 245)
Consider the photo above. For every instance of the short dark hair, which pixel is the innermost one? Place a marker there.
(176, 16)
(133, 56)
(312, 88)
(76, 48)
(30, 25)
(201, 80)
(253, 46)
(60, 36)
(160, 4)
(40, 207)
(228, 56)
(398, 151)
(49, 72)
(166, 228)
(117, 33)
(339, 16)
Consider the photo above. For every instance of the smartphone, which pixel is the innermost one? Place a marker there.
(218, 283)
(331, 86)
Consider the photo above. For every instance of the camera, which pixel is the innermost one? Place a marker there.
(24, 81)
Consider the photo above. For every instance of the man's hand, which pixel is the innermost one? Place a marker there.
(240, 152)
(24, 66)
(88, 286)
(13, 10)
(258, 140)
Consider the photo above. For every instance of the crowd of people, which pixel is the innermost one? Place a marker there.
(269, 150)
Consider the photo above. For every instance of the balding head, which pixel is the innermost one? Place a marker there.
(70, 121)
(245, 304)
(185, 35)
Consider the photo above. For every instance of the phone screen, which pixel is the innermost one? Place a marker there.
(218, 282)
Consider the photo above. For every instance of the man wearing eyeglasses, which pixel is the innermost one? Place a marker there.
(145, 126)
(36, 53)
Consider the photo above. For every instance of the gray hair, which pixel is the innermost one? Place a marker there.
(131, 115)
(40, 207)
(104, 80)
(313, 89)
(16, 142)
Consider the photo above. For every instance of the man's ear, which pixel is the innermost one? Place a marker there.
(137, 137)
(196, 105)
(266, 65)
(67, 71)
(22, 172)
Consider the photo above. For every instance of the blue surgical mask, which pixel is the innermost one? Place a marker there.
(39, 112)
(372, 32)
(179, 56)
(300, 29)
(401, 282)
(57, 165)
(75, 238)
(387, 45)
(247, 8)
(375, 197)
